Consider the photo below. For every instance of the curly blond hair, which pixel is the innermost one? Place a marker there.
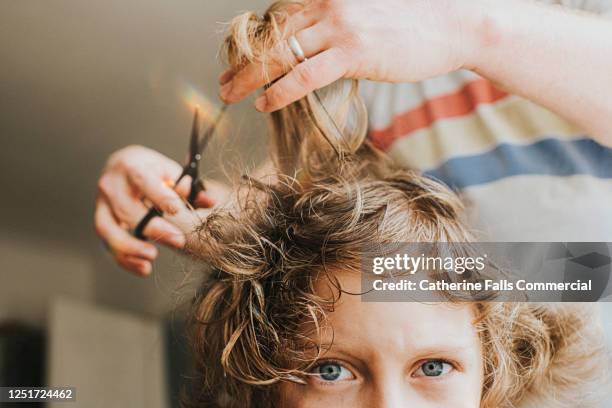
(334, 194)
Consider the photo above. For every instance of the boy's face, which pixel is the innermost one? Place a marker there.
(393, 355)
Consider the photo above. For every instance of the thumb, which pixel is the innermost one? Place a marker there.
(188, 220)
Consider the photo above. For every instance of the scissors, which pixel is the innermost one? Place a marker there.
(197, 146)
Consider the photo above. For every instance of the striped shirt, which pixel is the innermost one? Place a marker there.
(525, 173)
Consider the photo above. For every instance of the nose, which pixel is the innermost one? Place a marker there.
(393, 394)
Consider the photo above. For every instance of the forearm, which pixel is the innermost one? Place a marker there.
(556, 57)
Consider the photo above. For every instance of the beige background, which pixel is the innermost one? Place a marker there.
(78, 80)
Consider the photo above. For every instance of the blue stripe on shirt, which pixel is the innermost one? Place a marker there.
(551, 156)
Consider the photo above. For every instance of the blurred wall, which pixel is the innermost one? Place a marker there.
(78, 80)
(127, 357)
(31, 278)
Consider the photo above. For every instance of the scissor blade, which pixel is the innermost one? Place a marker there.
(194, 147)
(211, 129)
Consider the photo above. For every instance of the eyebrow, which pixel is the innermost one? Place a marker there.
(415, 352)
(420, 350)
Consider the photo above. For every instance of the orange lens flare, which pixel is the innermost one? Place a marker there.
(208, 110)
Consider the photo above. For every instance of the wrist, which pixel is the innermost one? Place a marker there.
(486, 27)
(494, 30)
(480, 32)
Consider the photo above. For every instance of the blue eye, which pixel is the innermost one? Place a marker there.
(433, 368)
(331, 371)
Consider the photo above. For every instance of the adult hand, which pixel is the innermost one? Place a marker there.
(382, 40)
(131, 175)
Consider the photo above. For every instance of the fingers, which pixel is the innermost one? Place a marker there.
(306, 77)
(203, 200)
(132, 174)
(124, 205)
(129, 210)
(226, 76)
(217, 193)
(137, 265)
(118, 238)
(183, 187)
(237, 86)
(161, 231)
(120, 242)
(188, 220)
(161, 195)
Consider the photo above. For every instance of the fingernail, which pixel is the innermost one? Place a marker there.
(149, 252)
(145, 269)
(177, 240)
(173, 206)
(261, 103)
(226, 90)
(225, 77)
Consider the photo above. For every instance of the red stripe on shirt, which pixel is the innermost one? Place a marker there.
(461, 103)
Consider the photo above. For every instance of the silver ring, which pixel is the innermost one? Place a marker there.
(296, 48)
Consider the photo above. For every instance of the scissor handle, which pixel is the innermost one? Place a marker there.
(142, 224)
(197, 186)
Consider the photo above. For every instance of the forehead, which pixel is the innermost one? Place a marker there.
(396, 326)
